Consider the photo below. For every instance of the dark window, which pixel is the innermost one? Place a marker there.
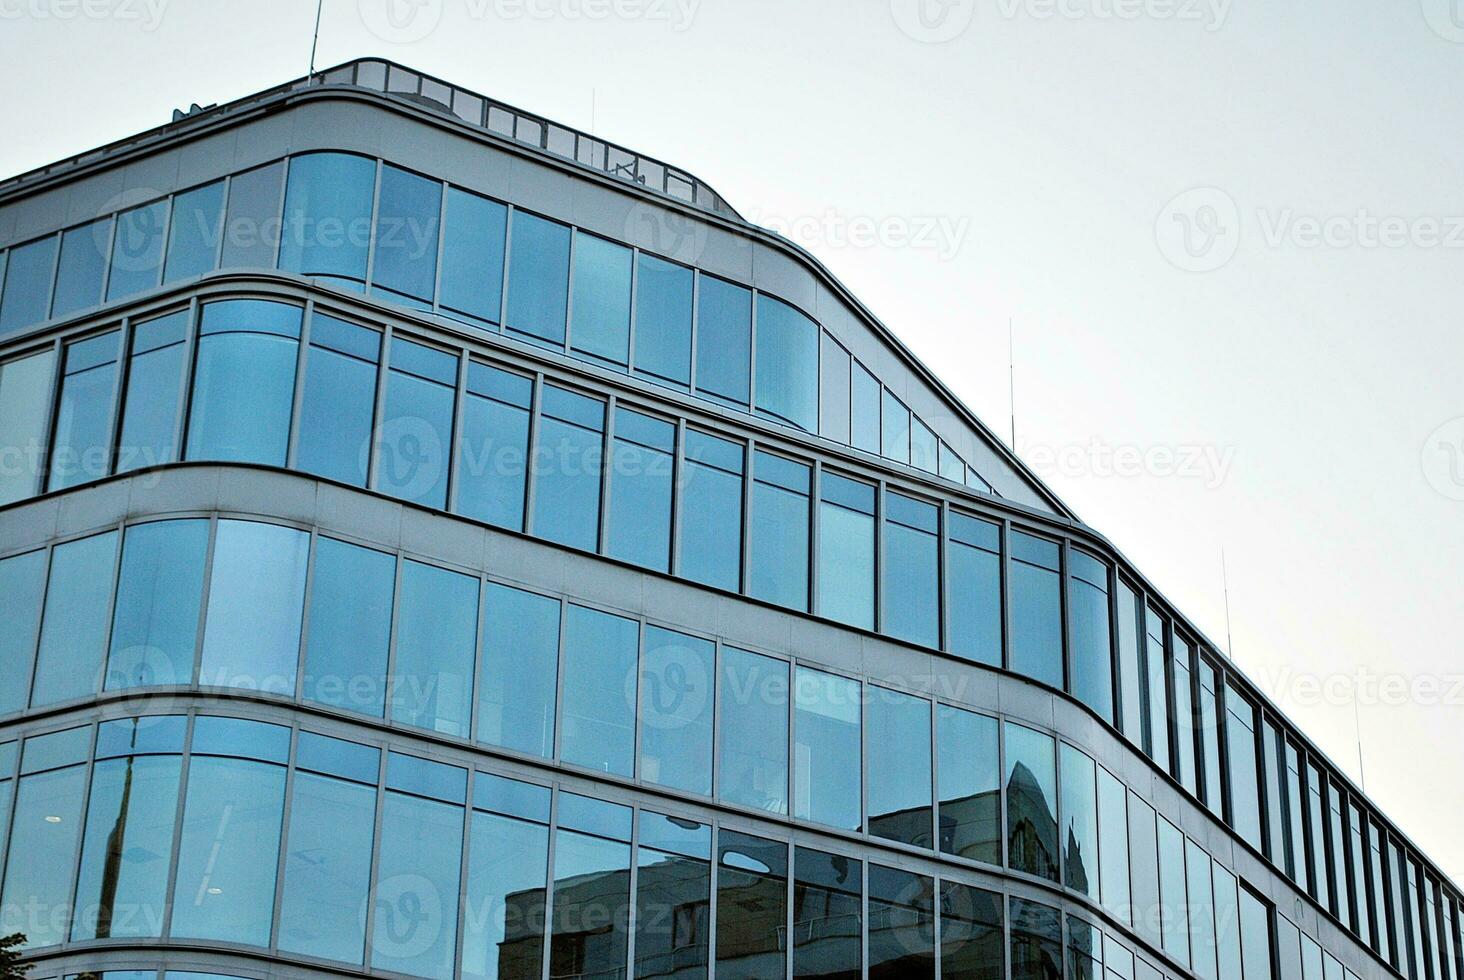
(1079, 810)
(846, 550)
(1092, 667)
(520, 667)
(1085, 950)
(826, 916)
(81, 268)
(973, 579)
(508, 871)
(711, 511)
(82, 443)
(899, 767)
(338, 403)
(779, 535)
(1036, 608)
(591, 889)
(254, 205)
(149, 432)
(787, 364)
(753, 731)
(901, 925)
(642, 465)
(1036, 945)
(1031, 801)
(193, 238)
(971, 934)
(404, 264)
(327, 223)
(673, 897)
(28, 274)
(911, 592)
(538, 278)
(597, 729)
(244, 382)
(663, 321)
(724, 342)
(137, 250)
(350, 626)
(493, 450)
(752, 907)
(567, 468)
(676, 702)
(600, 311)
(472, 257)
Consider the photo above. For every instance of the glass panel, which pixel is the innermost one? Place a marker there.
(673, 898)
(25, 395)
(779, 532)
(1337, 845)
(826, 751)
(899, 767)
(416, 424)
(923, 452)
(538, 278)
(753, 735)
(493, 450)
(520, 667)
(437, 637)
(43, 837)
(1255, 937)
(1296, 856)
(472, 256)
(1227, 923)
(1113, 849)
(591, 907)
(598, 727)
(254, 205)
(1317, 834)
(338, 403)
(643, 463)
(327, 867)
(676, 711)
(503, 924)
(787, 364)
(567, 473)
(846, 551)
(82, 440)
(663, 320)
(327, 223)
(1156, 689)
(137, 250)
(1079, 809)
(1244, 794)
(1184, 717)
(1144, 869)
(826, 916)
(405, 260)
(28, 275)
(951, 466)
(22, 588)
(971, 934)
(600, 317)
(256, 595)
(724, 341)
(159, 597)
(901, 925)
(149, 434)
(1201, 910)
(711, 492)
(350, 626)
(244, 383)
(833, 420)
(1379, 892)
(1288, 950)
(1036, 609)
(970, 785)
(1359, 877)
(1092, 653)
(752, 904)
(973, 577)
(229, 849)
(1031, 794)
(81, 267)
(911, 570)
(1130, 663)
(417, 883)
(193, 238)
(1210, 743)
(894, 437)
(864, 421)
(1085, 950)
(74, 627)
(1036, 947)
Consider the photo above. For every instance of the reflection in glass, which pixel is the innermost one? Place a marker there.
(711, 511)
(327, 867)
(673, 898)
(899, 767)
(74, 627)
(437, 639)
(677, 674)
(1079, 822)
(971, 936)
(752, 907)
(416, 894)
(520, 665)
(778, 545)
(413, 445)
(787, 364)
(503, 924)
(753, 731)
(970, 784)
(256, 595)
(149, 434)
(1130, 662)
(1036, 946)
(1036, 609)
(350, 626)
(159, 593)
(327, 223)
(1085, 950)
(846, 551)
(901, 925)
(22, 585)
(827, 920)
(663, 321)
(43, 837)
(404, 262)
(244, 382)
(339, 399)
(81, 444)
(591, 917)
(826, 751)
(1092, 654)
(973, 607)
(598, 730)
(1031, 799)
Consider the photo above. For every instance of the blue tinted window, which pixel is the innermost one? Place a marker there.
(82, 443)
(254, 205)
(27, 294)
(1092, 678)
(787, 364)
(1031, 793)
(591, 913)
(1255, 936)
(1240, 733)
(1113, 849)
(899, 767)
(1184, 718)
(137, 250)
(584, 813)
(423, 777)
(81, 268)
(601, 318)
(193, 238)
(520, 667)
(827, 915)
(923, 451)
(724, 341)
(350, 626)
(970, 784)
(152, 735)
(1214, 793)
(503, 932)
(149, 434)
(642, 464)
(711, 490)
(1130, 662)
(1156, 689)
(567, 478)
(159, 597)
(22, 586)
(826, 732)
(413, 447)
(42, 864)
(405, 260)
(421, 863)
(256, 598)
(864, 410)
(894, 438)
(846, 550)
(1036, 609)
(327, 223)
(74, 627)
(241, 738)
(677, 676)
(437, 636)
(663, 321)
(973, 583)
(912, 570)
(1079, 834)
(338, 401)
(244, 383)
(337, 757)
(472, 256)
(753, 731)
(327, 867)
(499, 794)
(25, 387)
(833, 420)
(952, 467)
(1173, 922)
(598, 727)
(493, 450)
(778, 546)
(1201, 908)
(538, 278)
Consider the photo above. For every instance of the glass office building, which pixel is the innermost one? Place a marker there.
(438, 543)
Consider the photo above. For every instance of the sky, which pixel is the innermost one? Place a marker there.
(1227, 236)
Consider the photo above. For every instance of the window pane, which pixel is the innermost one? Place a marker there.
(493, 449)
(591, 906)
(711, 492)
(970, 785)
(1379, 891)
(971, 936)
(193, 238)
(74, 627)
(27, 294)
(503, 925)
(229, 849)
(901, 925)
(1337, 845)
(1184, 716)
(1244, 795)
(1173, 917)
(472, 256)
(899, 767)
(1130, 664)
(327, 867)
(833, 420)
(25, 386)
(826, 752)
(1359, 877)
(598, 730)
(405, 260)
(973, 576)
(864, 408)
(1092, 671)
(159, 597)
(82, 442)
(1316, 835)
(254, 204)
(244, 384)
(1255, 937)
(1079, 822)
(753, 735)
(912, 570)
(1209, 714)
(923, 452)
(520, 666)
(1031, 781)
(826, 916)
(663, 320)
(256, 593)
(81, 267)
(779, 533)
(601, 307)
(42, 855)
(22, 587)
(895, 430)
(846, 551)
(338, 404)
(137, 250)
(1227, 923)
(567, 473)
(1144, 869)
(350, 626)
(1201, 909)
(437, 637)
(327, 224)
(538, 278)
(752, 907)
(787, 364)
(676, 711)
(1156, 688)
(149, 434)
(1036, 941)
(1296, 856)
(416, 424)
(1085, 950)
(1036, 609)
(642, 466)
(1113, 861)
(673, 899)
(724, 341)
(417, 887)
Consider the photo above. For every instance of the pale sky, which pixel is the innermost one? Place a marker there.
(1263, 365)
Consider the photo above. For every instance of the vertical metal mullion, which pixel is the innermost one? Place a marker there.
(478, 655)
(441, 248)
(383, 372)
(607, 485)
(935, 706)
(223, 217)
(635, 253)
(463, 869)
(301, 663)
(55, 276)
(170, 200)
(696, 279)
(287, 164)
(865, 697)
(942, 572)
(371, 225)
(185, 767)
(195, 674)
(813, 603)
(791, 789)
(121, 531)
(748, 477)
(89, 777)
(574, 234)
(119, 394)
(507, 246)
(285, 821)
(297, 403)
(752, 354)
(549, 881)
(33, 659)
(713, 885)
(389, 694)
(191, 346)
(531, 463)
(788, 891)
(1064, 594)
(48, 426)
(640, 698)
(678, 481)
(459, 402)
(378, 821)
(632, 916)
(863, 919)
(1006, 588)
(559, 673)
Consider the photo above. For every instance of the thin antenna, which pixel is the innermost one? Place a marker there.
(315, 39)
(1012, 381)
(1225, 577)
(1357, 724)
